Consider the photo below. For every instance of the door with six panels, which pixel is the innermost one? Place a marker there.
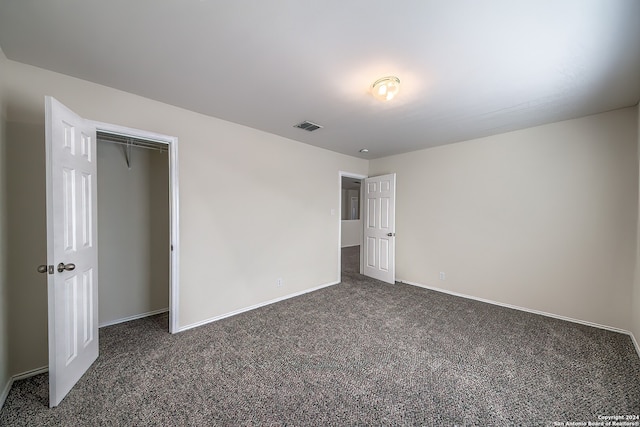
(72, 256)
(380, 227)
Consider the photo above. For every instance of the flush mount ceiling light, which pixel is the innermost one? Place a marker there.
(386, 88)
(364, 150)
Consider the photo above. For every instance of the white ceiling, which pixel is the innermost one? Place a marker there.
(469, 68)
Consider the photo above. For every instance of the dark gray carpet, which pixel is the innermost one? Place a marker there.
(358, 353)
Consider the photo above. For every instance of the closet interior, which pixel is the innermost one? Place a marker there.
(133, 228)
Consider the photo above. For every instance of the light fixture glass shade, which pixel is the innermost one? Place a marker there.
(386, 88)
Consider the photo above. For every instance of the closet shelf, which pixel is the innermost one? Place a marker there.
(129, 142)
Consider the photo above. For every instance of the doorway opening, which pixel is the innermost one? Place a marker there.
(133, 228)
(350, 223)
(137, 225)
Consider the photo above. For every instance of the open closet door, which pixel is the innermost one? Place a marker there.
(380, 228)
(72, 255)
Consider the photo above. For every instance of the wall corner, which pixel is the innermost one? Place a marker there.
(635, 293)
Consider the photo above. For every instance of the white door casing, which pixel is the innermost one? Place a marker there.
(71, 240)
(380, 227)
(171, 143)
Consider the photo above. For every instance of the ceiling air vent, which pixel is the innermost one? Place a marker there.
(308, 126)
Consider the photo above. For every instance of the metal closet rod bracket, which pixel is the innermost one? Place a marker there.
(129, 142)
(127, 153)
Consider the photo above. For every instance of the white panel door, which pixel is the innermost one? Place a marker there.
(72, 255)
(380, 227)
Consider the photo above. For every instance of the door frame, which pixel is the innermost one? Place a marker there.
(174, 249)
(356, 176)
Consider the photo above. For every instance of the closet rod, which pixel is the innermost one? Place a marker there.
(134, 143)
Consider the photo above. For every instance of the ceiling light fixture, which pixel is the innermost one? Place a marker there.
(364, 150)
(386, 88)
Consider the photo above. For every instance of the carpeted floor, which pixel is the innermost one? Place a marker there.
(358, 353)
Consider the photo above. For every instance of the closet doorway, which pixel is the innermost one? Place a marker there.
(351, 226)
(134, 227)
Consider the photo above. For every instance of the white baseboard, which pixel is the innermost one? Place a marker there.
(134, 317)
(528, 310)
(253, 307)
(5, 392)
(30, 373)
(635, 343)
(22, 376)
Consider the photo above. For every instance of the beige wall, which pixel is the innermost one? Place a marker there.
(346, 202)
(351, 229)
(254, 207)
(635, 328)
(543, 218)
(5, 372)
(28, 246)
(133, 230)
(351, 233)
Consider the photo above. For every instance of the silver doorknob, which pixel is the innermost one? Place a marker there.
(43, 268)
(62, 267)
(391, 234)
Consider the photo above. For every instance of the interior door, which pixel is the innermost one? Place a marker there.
(380, 227)
(72, 255)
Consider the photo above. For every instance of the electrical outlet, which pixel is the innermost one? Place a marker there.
(442, 275)
(279, 282)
